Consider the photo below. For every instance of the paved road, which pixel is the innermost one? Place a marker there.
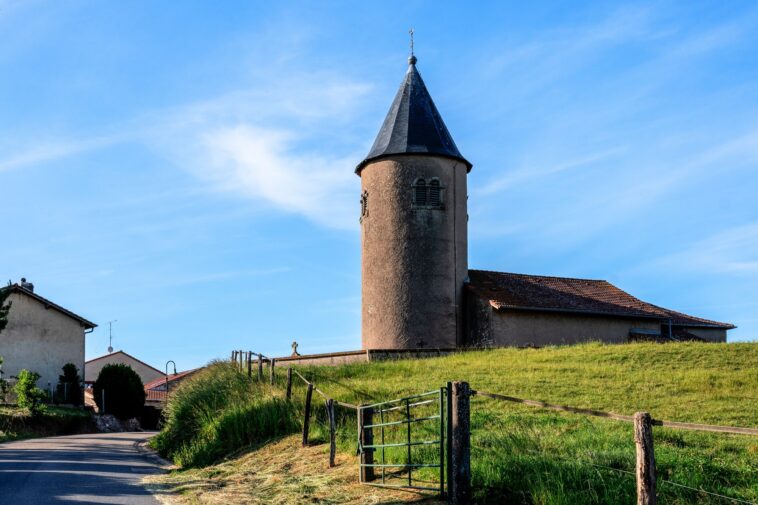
(98, 468)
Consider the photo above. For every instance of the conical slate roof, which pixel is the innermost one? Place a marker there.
(413, 125)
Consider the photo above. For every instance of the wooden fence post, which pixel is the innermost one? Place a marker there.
(234, 356)
(307, 420)
(250, 364)
(643, 439)
(271, 376)
(289, 383)
(260, 367)
(459, 486)
(332, 432)
(366, 418)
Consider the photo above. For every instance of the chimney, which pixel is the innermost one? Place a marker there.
(27, 285)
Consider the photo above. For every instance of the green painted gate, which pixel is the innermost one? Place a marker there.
(402, 443)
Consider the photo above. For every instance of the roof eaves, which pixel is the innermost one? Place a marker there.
(384, 156)
(645, 315)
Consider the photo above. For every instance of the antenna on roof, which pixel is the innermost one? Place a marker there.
(110, 335)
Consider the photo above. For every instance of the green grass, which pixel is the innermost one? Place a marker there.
(217, 412)
(530, 455)
(17, 423)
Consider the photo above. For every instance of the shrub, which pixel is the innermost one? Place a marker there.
(29, 395)
(219, 411)
(4, 307)
(70, 385)
(3, 383)
(124, 392)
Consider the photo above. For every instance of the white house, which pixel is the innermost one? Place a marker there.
(41, 336)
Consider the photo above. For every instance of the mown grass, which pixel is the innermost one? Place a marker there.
(17, 423)
(526, 455)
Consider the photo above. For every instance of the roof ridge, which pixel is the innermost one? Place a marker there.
(21, 289)
(544, 276)
(127, 354)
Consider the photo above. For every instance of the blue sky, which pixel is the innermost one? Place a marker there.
(187, 167)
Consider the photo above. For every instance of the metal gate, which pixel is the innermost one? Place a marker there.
(405, 440)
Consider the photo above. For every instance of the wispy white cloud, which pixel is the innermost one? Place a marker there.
(259, 163)
(282, 144)
(731, 251)
(52, 150)
(542, 169)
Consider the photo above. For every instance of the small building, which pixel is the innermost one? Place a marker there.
(156, 391)
(506, 309)
(146, 372)
(41, 336)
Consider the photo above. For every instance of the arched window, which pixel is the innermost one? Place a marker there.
(427, 195)
(419, 192)
(435, 197)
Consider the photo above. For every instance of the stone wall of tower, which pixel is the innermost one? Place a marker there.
(414, 260)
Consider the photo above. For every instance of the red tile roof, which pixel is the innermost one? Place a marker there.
(171, 378)
(560, 294)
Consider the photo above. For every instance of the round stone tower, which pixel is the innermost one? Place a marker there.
(414, 241)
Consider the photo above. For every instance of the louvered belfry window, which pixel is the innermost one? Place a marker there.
(419, 189)
(427, 195)
(434, 193)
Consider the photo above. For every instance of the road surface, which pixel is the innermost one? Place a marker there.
(97, 468)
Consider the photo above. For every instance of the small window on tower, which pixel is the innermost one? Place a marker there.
(435, 197)
(419, 192)
(364, 205)
(427, 195)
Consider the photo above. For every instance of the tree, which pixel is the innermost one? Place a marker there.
(3, 383)
(70, 385)
(124, 391)
(4, 307)
(29, 395)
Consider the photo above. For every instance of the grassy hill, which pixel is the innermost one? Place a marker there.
(521, 454)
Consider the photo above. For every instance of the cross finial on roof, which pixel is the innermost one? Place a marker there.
(412, 58)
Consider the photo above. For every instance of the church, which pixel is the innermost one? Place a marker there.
(418, 292)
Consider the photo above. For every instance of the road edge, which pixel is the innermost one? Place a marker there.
(155, 458)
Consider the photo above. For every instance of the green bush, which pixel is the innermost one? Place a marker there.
(4, 307)
(124, 391)
(29, 396)
(3, 383)
(218, 412)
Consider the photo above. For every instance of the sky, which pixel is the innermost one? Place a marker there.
(187, 168)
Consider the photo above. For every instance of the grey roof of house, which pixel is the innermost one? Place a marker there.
(413, 125)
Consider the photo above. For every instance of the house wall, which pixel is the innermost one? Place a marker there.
(709, 334)
(147, 374)
(414, 261)
(40, 340)
(520, 328)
